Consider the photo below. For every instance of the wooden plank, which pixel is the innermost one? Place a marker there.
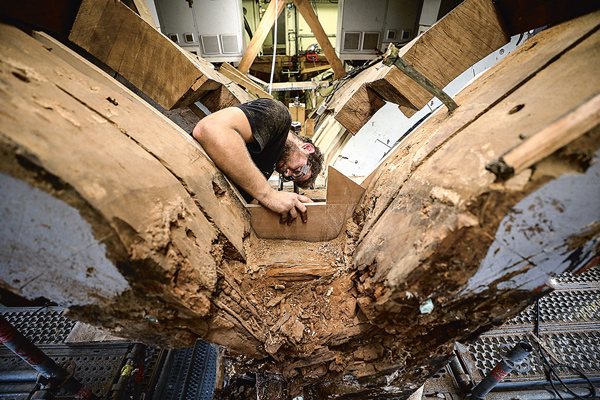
(262, 30)
(117, 36)
(341, 189)
(489, 89)
(196, 174)
(311, 19)
(144, 11)
(298, 272)
(325, 222)
(558, 134)
(315, 69)
(363, 104)
(442, 176)
(236, 76)
(308, 85)
(310, 128)
(143, 186)
(464, 36)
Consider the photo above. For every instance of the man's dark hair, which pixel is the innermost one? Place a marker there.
(315, 161)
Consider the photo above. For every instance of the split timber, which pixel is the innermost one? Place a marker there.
(180, 260)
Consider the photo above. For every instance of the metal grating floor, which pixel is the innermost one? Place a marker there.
(96, 366)
(191, 373)
(569, 327)
(40, 325)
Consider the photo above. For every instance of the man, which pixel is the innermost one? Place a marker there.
(250, 141)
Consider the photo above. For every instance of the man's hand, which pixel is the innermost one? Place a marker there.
(288, 205)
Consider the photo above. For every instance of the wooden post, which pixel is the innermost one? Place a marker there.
(265, 25)
(315, 26)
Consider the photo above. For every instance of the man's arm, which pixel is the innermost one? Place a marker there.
(224, 135)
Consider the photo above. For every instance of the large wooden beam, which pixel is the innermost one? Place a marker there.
(115, 188)
(311, 19)
(123, 210)
(117, 36)
(262, 30)
(464, 36)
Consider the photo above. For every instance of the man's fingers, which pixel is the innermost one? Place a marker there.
(304, 216)
(304, 199)
(293, 216)
(283, 218)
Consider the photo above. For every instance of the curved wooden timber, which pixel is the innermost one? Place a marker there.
(109, 209)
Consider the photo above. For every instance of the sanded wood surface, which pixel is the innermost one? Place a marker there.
(260, 34)
(120, 38)
(340, 189)
(325, 220)
(311, 19)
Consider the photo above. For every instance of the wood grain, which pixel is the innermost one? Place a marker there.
(311, 19)
(117, 36)
(262, 30)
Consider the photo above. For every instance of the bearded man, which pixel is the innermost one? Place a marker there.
(250, 141)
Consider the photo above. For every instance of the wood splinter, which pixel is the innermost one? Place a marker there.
(561, 132)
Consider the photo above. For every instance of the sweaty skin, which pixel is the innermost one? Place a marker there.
(224, 135)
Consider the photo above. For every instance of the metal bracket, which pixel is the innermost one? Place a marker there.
(391, 57)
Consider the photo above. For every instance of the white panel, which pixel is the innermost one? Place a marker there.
(210, 44)
(230, 44)
(175, 17)
(222, 19)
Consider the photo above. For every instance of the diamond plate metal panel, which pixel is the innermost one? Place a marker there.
(40, 325)
(97, 365)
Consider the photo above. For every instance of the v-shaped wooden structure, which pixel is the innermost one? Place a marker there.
(325, 220)
(265, 25)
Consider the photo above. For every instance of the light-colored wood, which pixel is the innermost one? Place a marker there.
(325, 220)
(359, 108)
(556, 135)
(297, 111)
(262, 30)
(532, 57)
(144, 11)
(155, 204)
(464, 36)
(309, 85)
(315, 69)
(309, 131)
(441, 167)
(341, 189)
(239, 78)
(120, 38)
(311, 19)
